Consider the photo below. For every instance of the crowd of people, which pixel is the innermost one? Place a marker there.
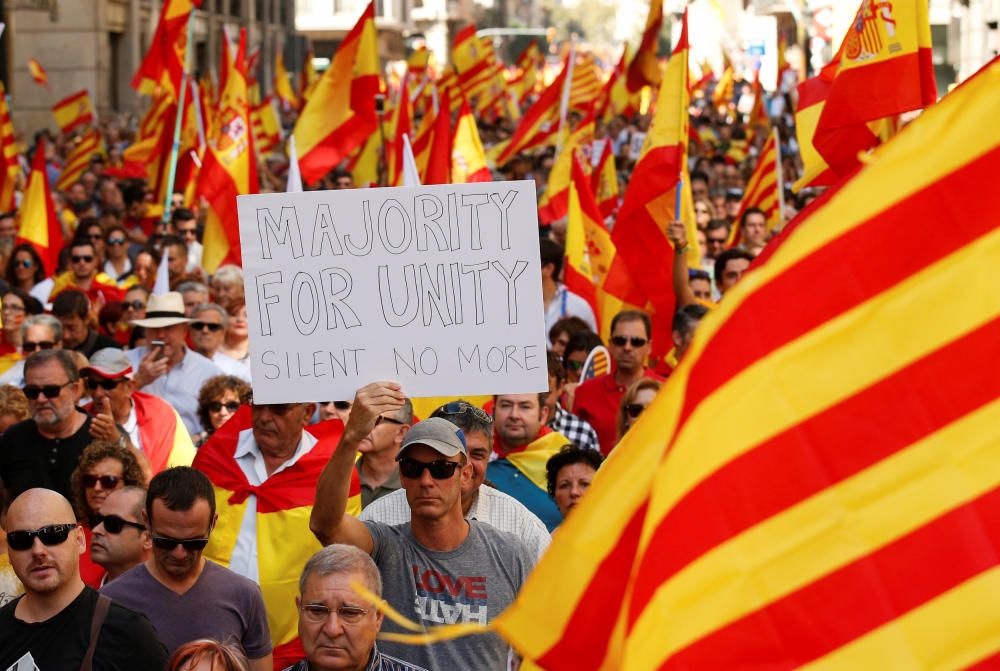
(156, 517)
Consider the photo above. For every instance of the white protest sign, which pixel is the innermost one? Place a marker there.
(437, 287)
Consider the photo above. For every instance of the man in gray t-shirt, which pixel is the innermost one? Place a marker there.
(439, 569)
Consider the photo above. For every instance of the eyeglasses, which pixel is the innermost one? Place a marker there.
(317, 612)
(106, 385)
(12, 308)
(135, 305)
(189, 544)
(716, 241)
(462, 408)
(635, 341)
(32, 346)
(339, 405)
(31, 391)
(380, 419)
(83, 258)
(209, 326)
(116, 241)
(633, 410)
(217, 406)
(114, 524)
(54, 534)
(24, 263)
(187, 231)
(94, 237)
(440, 469)
(90, 481)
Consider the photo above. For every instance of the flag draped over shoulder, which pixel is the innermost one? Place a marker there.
(10, 167)
(884, 69)
(339, 114)
(39, 224)
(823, 493)
(644, 70)
(163, 66)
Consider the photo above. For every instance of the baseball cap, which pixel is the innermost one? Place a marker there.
(438, 434)
(110, 363)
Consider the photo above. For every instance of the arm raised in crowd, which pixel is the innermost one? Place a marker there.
(677, 234)
(329, 520)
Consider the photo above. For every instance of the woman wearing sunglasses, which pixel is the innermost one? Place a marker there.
(16, 305)
(218, 400)
(25, 271)
(639, 395)
(104, 467)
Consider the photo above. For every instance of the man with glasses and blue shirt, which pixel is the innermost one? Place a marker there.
(440, 568)
(59, 622)
(43, 451)
(185, 596)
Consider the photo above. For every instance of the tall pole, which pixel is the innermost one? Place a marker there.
(175, 150)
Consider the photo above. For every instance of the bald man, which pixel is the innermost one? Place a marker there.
(50, 626)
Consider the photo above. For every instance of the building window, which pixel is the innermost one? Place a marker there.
(234, 8)
(283, 12)
(260, 13)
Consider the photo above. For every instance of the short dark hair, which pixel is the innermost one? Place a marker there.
(715, 224)
(751, 210)
(552, 253)
(153, 252)
(179, 488)
(466, 416)
(582, 341)
(687, 317)
(61, 356)
(568, 325)
(182, 214)
(633, 316)
(32, 306)
(168, 241)
(556, 368)
(699, 176)
(725, 257)
(71, 303)
(569, 454)
(79, 241)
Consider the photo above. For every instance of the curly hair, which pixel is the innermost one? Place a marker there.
(13, 402)
(568, 455)
(94, 453)
(213, 389)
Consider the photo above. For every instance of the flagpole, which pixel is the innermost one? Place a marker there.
(178, 123)
(780, 178)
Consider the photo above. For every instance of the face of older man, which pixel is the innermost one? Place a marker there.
(42, 381)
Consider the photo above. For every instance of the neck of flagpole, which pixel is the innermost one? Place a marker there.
(178, 122)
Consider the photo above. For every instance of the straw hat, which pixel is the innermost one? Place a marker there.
(162, 311)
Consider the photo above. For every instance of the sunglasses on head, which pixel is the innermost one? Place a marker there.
(189, 544)
(82, 258)
(107, 481)
(54, 534)
(32, 346)
(134, 305)
(116, 241)
(633, 410)
(440, 469)
(635, 341)
(462, 408)
(31, 391)
(209, 326)
(217, 406)
(114, 524)
(24, 263)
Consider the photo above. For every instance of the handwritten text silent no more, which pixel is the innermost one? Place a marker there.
(433, 286)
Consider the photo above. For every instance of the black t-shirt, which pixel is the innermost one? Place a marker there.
(28, 459)
(94, 342)
(127, 640)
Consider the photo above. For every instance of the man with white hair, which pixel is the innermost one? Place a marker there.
(38, 332)
(208, 331)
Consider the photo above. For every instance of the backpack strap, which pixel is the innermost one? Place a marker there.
(96, 622)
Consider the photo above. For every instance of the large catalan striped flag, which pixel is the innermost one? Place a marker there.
(540, 123)
(555, 199)
(10, 166)
(816, 484)
(90, 143)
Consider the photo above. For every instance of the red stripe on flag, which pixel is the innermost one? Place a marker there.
(846, 272)
(857, 598)
(820, 452)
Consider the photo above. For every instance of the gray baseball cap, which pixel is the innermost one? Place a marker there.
(438, 434)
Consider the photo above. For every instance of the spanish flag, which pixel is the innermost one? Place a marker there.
(555, 200)
(79, 158)
(763, 190)
(527, 79)
(604, 181)
(162, 69)
(284, 504)
(402, 124)
(339, 115)
(417, 63)
(229, 168)
(813, 93)
(422, 142)
(644, 70)
(589, 250)
(439, 153)
(308, 78)
(266, 126)
(816, 484)
(39, 225)
(73, 111)
(468, 160)
(541, 122)
(473, 60)
(283, 83)
(885, 69)
(37, 72)
(10, 166)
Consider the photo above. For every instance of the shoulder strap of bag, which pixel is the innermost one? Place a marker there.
(100, 614)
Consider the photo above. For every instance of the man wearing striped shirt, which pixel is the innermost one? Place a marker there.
(481, 502)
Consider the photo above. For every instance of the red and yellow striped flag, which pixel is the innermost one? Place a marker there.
(589, 250)
(555, 199)
(722, 96)
(439, 152)
(586, 85)
(812, 97)
(763, 190)
(402, 124)
(73, 111)
(39, 224)
(604, 181)
(229, 168)
(468, 160)
(10, 166)
(163, 66)
(884, 69)
(540, 123)
(37, 72)
(417, 63)
(528, 65)
(644, 70)
(308, 78)
(283, 83)
(79, 158)
(422, 142)
(339, 115)
(473, 59)
(266, 126)
(816, 483)
(759, 120)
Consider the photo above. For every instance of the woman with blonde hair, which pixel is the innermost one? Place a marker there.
(207, 654)
(636, 398)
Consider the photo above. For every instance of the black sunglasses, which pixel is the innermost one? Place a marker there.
(201, 326)
(462, 408)
(380, 419)
(216, 406)
(339, 405)
(189, 544)
(24, 263)
(83, 258)
(635, 341)
(32, 346)
(54, 534)
(440, 469)
(113, 524)
(116, 241)
(633, 410)
(135, 305)
(107, 481)
(106, 385)
(31, 391)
